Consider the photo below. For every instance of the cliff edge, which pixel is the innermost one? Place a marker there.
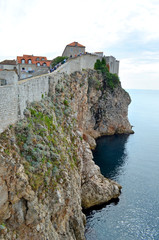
(47, 172)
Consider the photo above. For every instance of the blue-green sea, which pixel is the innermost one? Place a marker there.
(132, 161)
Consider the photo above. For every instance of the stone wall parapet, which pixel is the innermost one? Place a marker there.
(14, 98)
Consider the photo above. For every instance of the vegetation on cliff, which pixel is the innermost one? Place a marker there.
(44, 146)
(110, 79)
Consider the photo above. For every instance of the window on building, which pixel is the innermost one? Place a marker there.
(23, 61)
(38, 59)
(29, 61)
(38, 64)
(43, 59)
(3, 82)
(30, 70)
(44, 64)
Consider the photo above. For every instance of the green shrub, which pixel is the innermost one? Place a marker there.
(97, 65)
(65, 102)
(112, 80)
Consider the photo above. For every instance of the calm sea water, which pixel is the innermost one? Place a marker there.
(132, 161)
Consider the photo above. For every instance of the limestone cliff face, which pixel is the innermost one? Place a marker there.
(100, 110)
(47, 172)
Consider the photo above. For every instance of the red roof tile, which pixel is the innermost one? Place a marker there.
(34, 59)
(75, 44)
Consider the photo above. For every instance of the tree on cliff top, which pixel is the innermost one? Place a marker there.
(101, 65)
(111, 79)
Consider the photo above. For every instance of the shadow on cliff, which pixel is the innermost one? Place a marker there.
(111, 156)
(88, 212)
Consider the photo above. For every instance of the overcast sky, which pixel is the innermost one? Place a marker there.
(127, 30)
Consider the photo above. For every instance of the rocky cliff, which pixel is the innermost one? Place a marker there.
(47, 173)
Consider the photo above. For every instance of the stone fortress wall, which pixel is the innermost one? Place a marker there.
(8, 106)
(15, 97)
(79, 63)
(113, 64)
(8, 77)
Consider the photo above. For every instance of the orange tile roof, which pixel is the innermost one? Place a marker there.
(33, 59)
(75, 44)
